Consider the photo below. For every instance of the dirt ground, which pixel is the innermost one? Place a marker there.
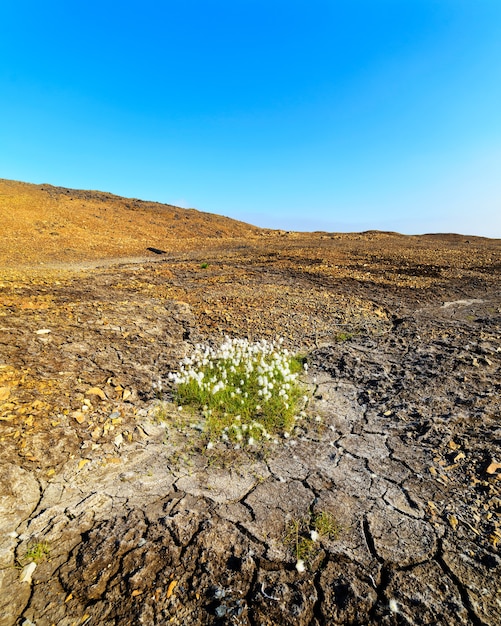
(128, 518)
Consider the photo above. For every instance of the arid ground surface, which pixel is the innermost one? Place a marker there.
(108, 489)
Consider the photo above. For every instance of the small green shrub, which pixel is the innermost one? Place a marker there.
(246, 392)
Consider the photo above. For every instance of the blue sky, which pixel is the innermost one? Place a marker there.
(338, 115)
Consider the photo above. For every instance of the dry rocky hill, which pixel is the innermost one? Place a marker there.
(113, 509)
(44, 224)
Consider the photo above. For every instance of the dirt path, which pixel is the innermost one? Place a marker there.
(143, 525)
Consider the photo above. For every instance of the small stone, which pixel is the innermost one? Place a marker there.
(493, 467)
(96, 391)
(142, 432)
(27, 572)
(118, 441)
(43, 331)
(78, 416)
(170, 589)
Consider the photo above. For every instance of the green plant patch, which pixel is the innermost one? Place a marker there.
(340, 337)
(304, 536)
(37, 552)
(246, 392)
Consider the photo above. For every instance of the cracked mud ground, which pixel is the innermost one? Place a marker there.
(143, 525)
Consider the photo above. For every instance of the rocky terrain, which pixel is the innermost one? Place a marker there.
(113, 510)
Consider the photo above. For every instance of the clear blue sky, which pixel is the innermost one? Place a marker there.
(334, 115)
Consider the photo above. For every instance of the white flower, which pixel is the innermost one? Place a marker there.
(393, 605)
(210, 445)
(314, 535)
(300, 566)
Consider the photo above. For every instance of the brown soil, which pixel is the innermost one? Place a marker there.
(143, 524)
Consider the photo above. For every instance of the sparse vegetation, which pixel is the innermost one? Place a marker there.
(246, 392)
(340, 337)
(36, 552)
(326, 525)
(304, 536)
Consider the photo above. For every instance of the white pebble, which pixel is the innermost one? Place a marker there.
(27, 572)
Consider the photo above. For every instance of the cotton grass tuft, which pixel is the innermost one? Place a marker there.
(247, 392)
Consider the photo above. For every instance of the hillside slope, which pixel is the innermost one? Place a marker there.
(44, 224)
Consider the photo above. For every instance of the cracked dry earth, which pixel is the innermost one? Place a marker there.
(143, 525)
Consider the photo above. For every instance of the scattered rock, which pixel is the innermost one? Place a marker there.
(148, 525)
